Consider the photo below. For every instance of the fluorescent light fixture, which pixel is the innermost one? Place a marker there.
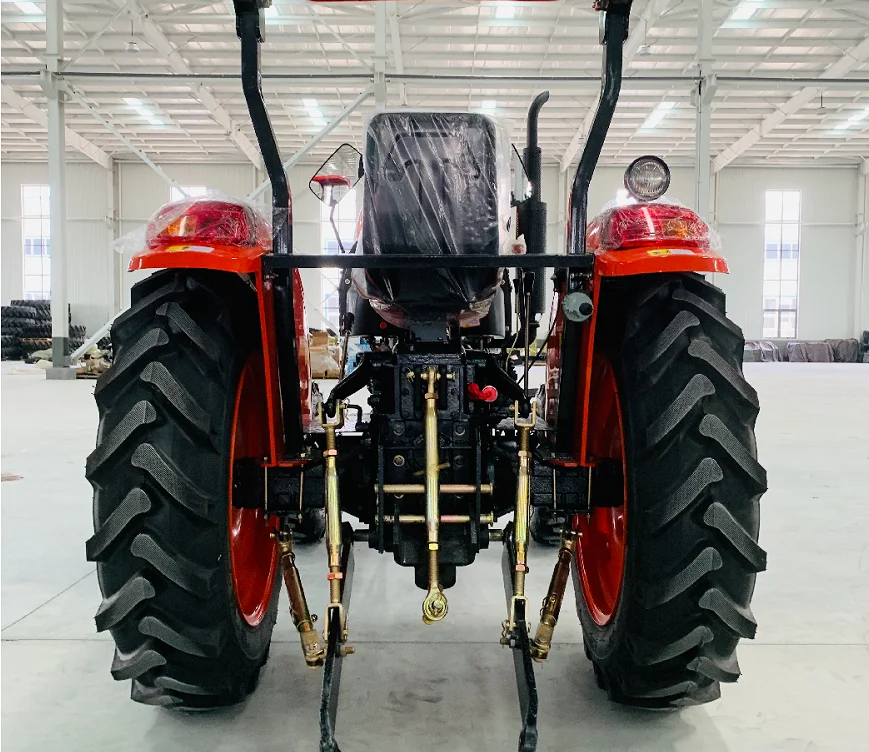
(658, 114)
(143, 111)
(853, 120)
(505, 10)
(489, 106)
(314, 112)
(31, 9)
(745, 10)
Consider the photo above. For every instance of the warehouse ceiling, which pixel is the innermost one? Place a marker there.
(113, 46)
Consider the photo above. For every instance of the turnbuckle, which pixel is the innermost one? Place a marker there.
(303, 619)
(434, 606)
(521, 518)
(551, 607)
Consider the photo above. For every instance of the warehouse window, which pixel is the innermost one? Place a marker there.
(781, 264)
(190, 190)
(345, 221)
(36, 233)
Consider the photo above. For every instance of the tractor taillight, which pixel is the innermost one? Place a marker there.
(209, 222)
(647, 225)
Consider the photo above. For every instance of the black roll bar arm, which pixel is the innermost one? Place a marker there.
(249, 23)
(614, 32)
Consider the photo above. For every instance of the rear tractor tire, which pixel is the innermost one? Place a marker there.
(667, 561)
(188, 581)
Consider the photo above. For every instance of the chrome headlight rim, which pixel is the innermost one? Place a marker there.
(632, 174)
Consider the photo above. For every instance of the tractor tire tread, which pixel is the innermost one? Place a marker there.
(160, 519)
(697, 486)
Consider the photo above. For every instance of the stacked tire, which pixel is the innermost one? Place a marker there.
(27, 328)
(15, 319)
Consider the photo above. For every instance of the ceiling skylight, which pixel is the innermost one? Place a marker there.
(746, 9)
(658, 114)
(853, 120)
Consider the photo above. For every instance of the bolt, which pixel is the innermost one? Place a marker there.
(398, 460)
(398, 428)
(460, 430)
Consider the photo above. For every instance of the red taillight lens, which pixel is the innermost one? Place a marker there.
(207, 221)
(647, 225)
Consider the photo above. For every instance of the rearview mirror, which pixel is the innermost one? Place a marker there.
(337, 176)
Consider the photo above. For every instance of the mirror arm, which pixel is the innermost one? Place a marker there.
(335, 227)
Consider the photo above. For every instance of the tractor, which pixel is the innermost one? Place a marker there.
(636, 457)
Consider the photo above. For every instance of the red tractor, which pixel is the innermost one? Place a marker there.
(637, 457)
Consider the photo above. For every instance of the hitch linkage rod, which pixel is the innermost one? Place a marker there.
(336, 649)
(520, 644)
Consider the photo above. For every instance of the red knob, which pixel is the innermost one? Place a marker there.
(486, 394)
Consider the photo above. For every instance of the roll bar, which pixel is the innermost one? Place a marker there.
(614, 32)
(249, 25)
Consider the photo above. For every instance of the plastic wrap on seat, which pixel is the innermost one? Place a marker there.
(435, 184)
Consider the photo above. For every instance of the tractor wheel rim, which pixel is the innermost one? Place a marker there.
(600, 550)
(252, 552)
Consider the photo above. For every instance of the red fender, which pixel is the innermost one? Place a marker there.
(221, 258)
(610, 264)
(248, 260)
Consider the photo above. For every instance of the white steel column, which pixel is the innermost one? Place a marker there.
(703, 96)
(380, 23)
(861, 261)
(57, 183)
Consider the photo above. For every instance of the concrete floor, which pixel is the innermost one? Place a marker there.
(450, 686)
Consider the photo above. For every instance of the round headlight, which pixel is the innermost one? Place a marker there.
(647, 178)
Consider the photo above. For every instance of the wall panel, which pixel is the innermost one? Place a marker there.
(828, 286)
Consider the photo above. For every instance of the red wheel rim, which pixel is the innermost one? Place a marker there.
(600, 551)
(253, 554)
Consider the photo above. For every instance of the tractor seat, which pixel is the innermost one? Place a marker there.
(435, 184)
